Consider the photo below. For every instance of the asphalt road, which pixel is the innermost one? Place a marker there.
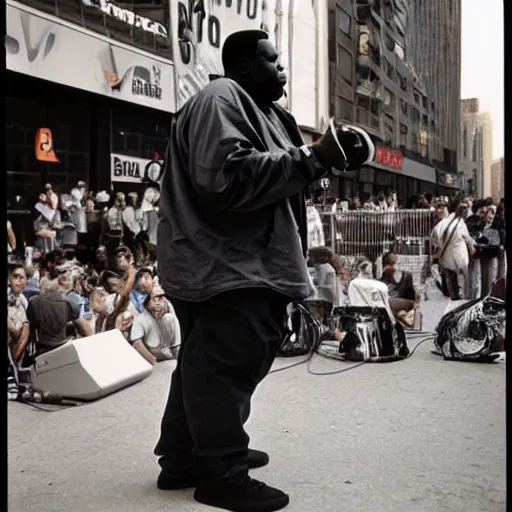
(422, 435)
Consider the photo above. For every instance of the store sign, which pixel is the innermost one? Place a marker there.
(127, 16)
(51, 50)
(389, 157)
(44, 146)
(130, 169)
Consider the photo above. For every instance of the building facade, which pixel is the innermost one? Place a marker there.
(476, 148)
(100, 78)
(296, 28)
(394, 69)
(498, 179)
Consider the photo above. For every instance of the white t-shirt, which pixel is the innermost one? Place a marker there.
(158, 335)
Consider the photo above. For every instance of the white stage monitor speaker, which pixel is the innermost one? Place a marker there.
(90, 368)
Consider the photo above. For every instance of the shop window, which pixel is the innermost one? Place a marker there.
(139, 135)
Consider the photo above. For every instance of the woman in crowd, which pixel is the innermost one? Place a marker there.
(403, 297)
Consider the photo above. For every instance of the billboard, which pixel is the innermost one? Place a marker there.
(199, 30)
(46, 47)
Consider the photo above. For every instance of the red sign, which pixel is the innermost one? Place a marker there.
(44, 146)
(389, 157)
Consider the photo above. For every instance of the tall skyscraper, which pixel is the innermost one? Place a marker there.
(476, 147)
(498, 179)
(395, 70)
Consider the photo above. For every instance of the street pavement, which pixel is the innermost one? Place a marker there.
(422, 435)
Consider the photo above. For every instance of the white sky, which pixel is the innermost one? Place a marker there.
(482, 61)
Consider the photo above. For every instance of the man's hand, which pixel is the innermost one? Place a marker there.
(343, 148)
(124, 321)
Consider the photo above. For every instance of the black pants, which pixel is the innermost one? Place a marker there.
(229, 343)
(452, 284)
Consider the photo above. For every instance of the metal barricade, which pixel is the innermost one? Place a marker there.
(363, 234)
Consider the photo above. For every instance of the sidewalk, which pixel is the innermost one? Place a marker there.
(422, 435)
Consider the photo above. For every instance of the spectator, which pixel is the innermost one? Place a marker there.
(54, 318)
(155, 333)
(17, 323)
(403, 297)
(455, 245)
(11, 238)
(119, 286)
(143, 287)
(323, 274)
(315, 226)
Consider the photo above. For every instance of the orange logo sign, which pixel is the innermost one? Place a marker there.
(44, 146)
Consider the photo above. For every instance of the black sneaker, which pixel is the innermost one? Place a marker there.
(172, 482)
(240, 493)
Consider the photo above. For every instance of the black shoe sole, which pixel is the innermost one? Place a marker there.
(223, 503)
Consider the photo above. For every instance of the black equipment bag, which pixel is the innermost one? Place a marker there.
(308, 321)
(474, 331)
(370, 335)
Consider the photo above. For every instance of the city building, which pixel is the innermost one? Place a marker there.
(104, 77)
(476, 148)
(99, 80)
(498, 179)
(297, 29)
(394, 69)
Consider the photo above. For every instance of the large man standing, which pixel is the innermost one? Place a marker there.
(231, 248)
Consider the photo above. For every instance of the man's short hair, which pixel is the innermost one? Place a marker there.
(16, 266)
(479, 203)
(241, 45)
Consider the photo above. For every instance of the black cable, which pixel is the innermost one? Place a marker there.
(334, 372)
(59, 407)
(429, 338)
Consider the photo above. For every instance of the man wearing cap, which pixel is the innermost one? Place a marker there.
(155, 332)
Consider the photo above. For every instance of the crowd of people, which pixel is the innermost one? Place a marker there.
(467, 245)
(381, 202)
(101, 277)
(93, 267)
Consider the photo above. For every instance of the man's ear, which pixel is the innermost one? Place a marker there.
(244, 67)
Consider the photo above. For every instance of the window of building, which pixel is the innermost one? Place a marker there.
(389, 98)
(416, 97)
(331, 43)
(425, 102)
(415, 115)
(344, 64)
(403, 135)
(465, 143)
(403, 106)
(399, 51)
(346, 109)
(403, 82)
(70, 125)
(344, 21)
(152, 35)
(139, 135)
